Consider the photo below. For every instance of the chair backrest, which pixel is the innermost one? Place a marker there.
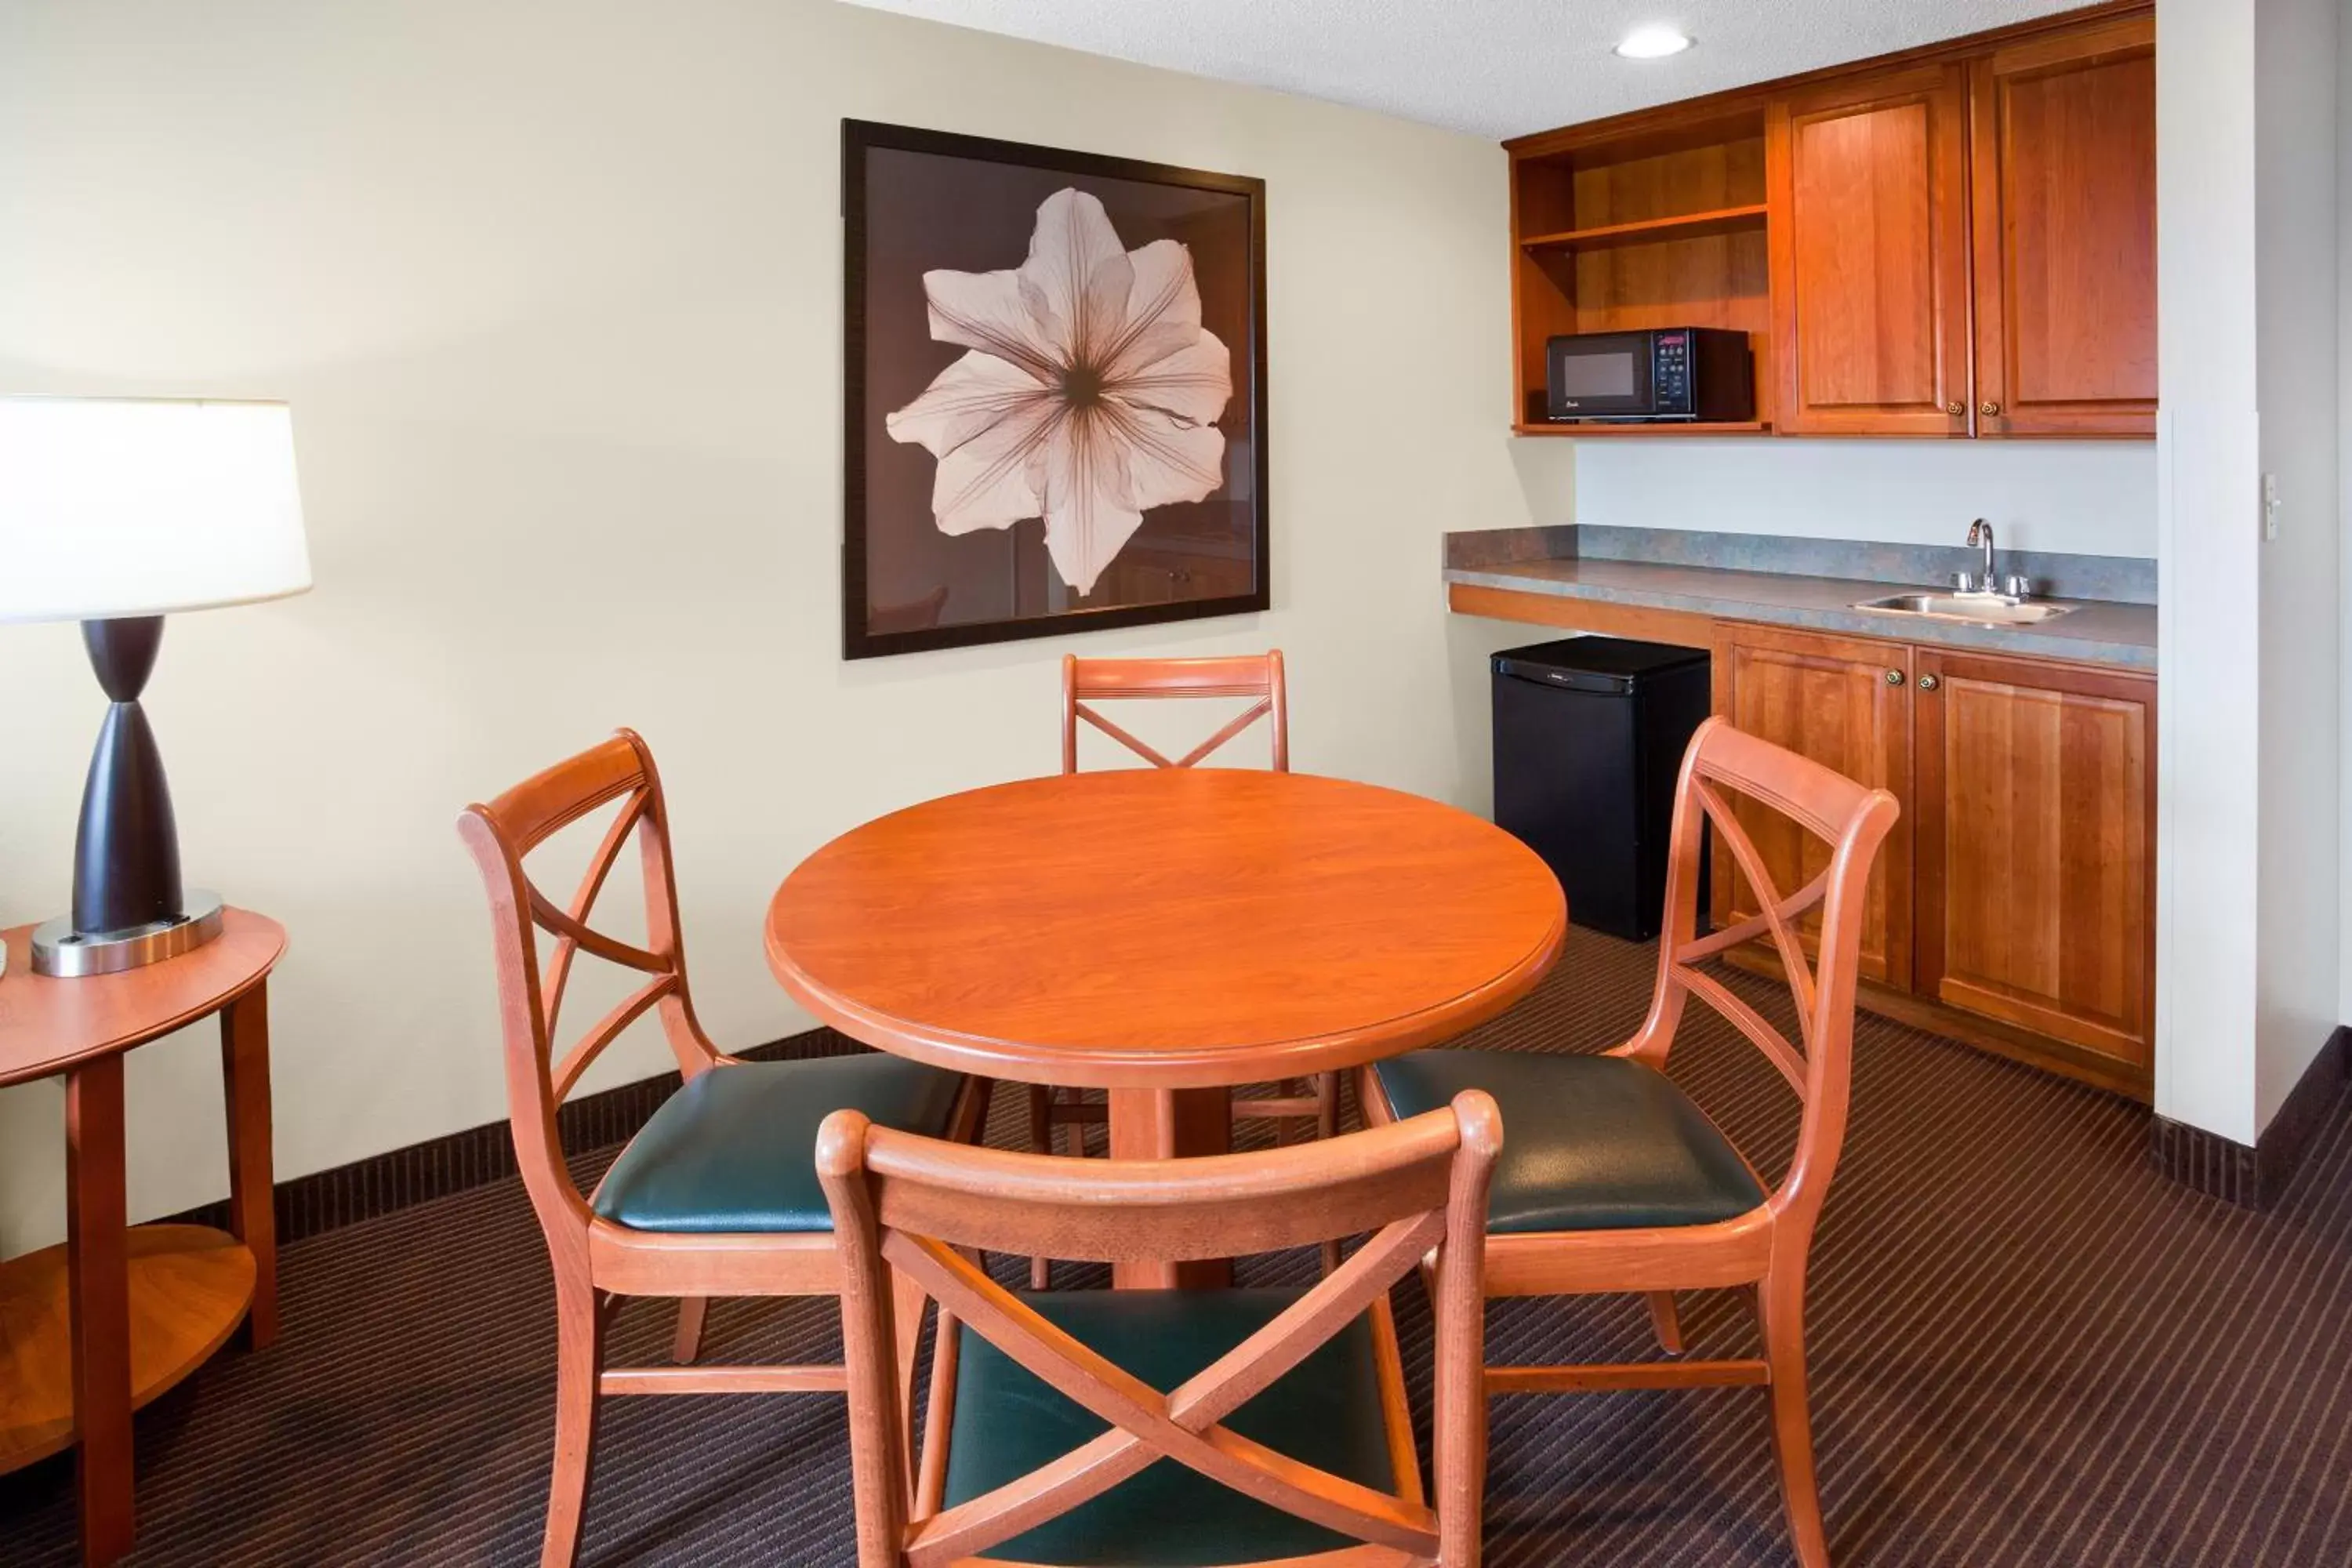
(1853, 822)
(501, 834)
(1119, 679)
(910, 1204)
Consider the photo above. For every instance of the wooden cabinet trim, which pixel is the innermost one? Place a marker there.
(2084, 42)
(1664, 120)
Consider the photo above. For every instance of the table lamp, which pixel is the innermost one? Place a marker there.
(115, 512)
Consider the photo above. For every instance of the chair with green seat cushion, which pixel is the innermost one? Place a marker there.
(733, 1150)
(1325, 1413)
(1612, 1180)
(1136, 1429)
(717, 1194)
(1594, 1143)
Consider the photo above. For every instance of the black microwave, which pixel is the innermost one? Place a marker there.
(1659, 374)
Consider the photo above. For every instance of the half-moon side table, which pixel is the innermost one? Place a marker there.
(1165, 934)
(92, 1329)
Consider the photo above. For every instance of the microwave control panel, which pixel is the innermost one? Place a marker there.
(1672, 372)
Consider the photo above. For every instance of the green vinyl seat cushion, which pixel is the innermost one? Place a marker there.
(1326, 1412)
(1589, 1142)
(735, 1149)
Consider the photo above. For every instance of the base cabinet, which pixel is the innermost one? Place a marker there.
(1844, 702)
(2034, 891)
(2017, 892)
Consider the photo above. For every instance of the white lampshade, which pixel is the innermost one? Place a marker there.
(113, 507)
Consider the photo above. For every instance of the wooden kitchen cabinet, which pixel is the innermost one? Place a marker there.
(1870, 253)
(1845, 703)
(2034, 806)
(1955, 241)
(2063, 186)
(2014, 904)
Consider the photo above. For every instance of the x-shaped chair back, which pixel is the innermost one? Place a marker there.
(1106, 680)
(921, 1207)
(501, 834)
(1852, 821)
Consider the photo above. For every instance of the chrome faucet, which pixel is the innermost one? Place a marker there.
(1980, 534)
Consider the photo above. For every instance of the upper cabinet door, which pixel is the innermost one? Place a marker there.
(1870, 266)
(2063, 175)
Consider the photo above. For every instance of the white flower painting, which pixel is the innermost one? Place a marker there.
(1089, 394)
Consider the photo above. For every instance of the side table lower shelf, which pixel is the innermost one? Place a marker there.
(190, 1287)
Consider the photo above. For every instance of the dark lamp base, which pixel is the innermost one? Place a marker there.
(128, 908)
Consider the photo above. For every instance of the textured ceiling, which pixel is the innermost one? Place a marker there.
(1497, 68)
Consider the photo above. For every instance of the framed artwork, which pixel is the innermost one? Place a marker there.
(1055, 396)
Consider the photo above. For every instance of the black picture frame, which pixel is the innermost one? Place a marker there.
(860, 141)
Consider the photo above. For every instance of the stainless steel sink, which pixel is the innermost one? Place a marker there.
(1982, 609)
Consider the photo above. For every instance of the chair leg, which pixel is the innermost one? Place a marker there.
(1780, 1307)
(1666, 1321)
(579, 1355)
(1041, 1142)
(687, 1345)
(907, 1300)
(1041, 1120)
(1326, 1125)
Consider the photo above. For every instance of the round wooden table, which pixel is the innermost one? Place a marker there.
(1165, 935)
(92, 1329)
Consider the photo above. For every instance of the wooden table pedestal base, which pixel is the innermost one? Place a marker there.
(1171, 1124)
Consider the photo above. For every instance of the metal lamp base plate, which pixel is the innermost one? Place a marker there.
(61, 952)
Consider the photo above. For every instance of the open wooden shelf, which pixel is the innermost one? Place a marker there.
(190, 1287)
(1682, 226)
(1696, 427)
(1666, 226)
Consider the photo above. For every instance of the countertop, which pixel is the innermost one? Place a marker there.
(2095, 632)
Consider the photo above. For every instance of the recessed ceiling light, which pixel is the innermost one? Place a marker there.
(1653, 43)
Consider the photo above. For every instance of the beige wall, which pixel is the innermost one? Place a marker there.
(2301, 655)
(553, 291)
(2085, 497)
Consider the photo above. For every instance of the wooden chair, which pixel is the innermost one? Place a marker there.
(717, 1196)
(1615, 1182)
(1283, 1411)
(1121, 680)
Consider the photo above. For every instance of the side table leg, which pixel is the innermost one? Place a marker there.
(253, 1220)
(97, 1288)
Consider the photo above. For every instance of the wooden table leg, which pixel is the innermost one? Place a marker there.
(1169, 1124)
(252, 1218)
(97, 1290)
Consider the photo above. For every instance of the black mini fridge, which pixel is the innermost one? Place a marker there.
(1589, 737)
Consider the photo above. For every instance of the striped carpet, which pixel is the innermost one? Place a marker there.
(2028, 1348)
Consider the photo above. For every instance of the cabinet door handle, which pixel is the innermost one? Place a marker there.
(1928, 683)
(1988, 409)
(1894, 678)
(1956, 408)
